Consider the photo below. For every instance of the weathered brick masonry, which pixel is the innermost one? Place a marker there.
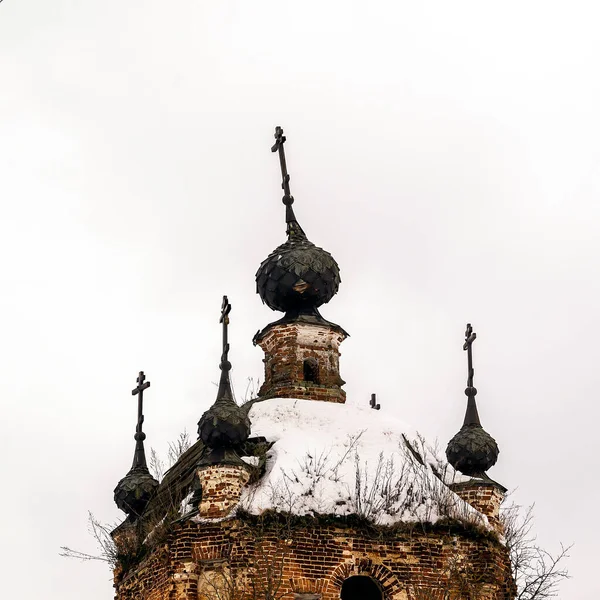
(316, 559)
(302, 361)
(484, 496)
(221, 489)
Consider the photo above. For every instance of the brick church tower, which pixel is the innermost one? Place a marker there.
(301, 349)
(299, 495)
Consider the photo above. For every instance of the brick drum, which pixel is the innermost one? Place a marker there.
(485, 496)
(221, 489)
(302, 361)
(199, 561)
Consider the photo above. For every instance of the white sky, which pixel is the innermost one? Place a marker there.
(446, 153)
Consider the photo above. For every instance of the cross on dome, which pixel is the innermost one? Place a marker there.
(293, 227)
(470, 337)
(134, 491)
(139, 392)
(472, 450)
(225, 310)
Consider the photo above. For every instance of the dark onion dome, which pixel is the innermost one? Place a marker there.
(225, 426)
(472, 451)
(297, 276)
(135, 490)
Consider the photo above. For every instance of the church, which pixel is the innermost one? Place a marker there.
(296, 494)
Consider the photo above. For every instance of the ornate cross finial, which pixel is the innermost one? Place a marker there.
(225, 310)
(470, 337)
(139, 391)
(139, 458)
(278, 147)
(292, 225)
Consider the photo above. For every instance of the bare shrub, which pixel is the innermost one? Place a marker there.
(149, 530)
(265, 576)
(252, 389)
(107, 550)
(218, 581)
(384, 495)
(313, 470)
(537, 572)
(410, 486)
(158, 467)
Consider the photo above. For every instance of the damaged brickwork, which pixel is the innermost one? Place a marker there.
(221, 489)
(302, 361)
(484, 496)
(312, 561)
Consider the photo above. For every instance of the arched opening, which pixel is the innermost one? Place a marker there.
(361, 587)
(311, 370)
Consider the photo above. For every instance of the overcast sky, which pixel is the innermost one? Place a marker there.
(446, 153)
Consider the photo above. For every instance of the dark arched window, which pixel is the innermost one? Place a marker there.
(361, 587)
(311, 370)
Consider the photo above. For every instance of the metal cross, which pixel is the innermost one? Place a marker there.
(225, 310)
(278, 146)
(373, 402)
(470, 337)
(139, 392)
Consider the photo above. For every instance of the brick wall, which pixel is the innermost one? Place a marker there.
(287, 347)
(221, 489)
(484, 496)
(314, 560)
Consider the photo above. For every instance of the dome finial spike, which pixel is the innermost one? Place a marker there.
(470, 337)
(293, 227)
(225, 310)
(224, 391)
(471, 415)
(139, 458)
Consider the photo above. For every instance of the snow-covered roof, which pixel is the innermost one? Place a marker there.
(341, 459)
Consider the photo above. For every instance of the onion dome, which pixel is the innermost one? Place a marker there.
(135, 490)
(297, 277)
(225, 425)
(472, 451)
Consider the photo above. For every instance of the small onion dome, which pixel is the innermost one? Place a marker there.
(297, 276)
(224, 425)
(472, 451)
(135, 490)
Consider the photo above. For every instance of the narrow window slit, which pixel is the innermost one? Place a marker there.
(311, 370)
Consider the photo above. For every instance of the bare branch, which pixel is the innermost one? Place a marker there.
(537, 572)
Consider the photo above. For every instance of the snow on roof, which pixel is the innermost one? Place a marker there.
(341, 459)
